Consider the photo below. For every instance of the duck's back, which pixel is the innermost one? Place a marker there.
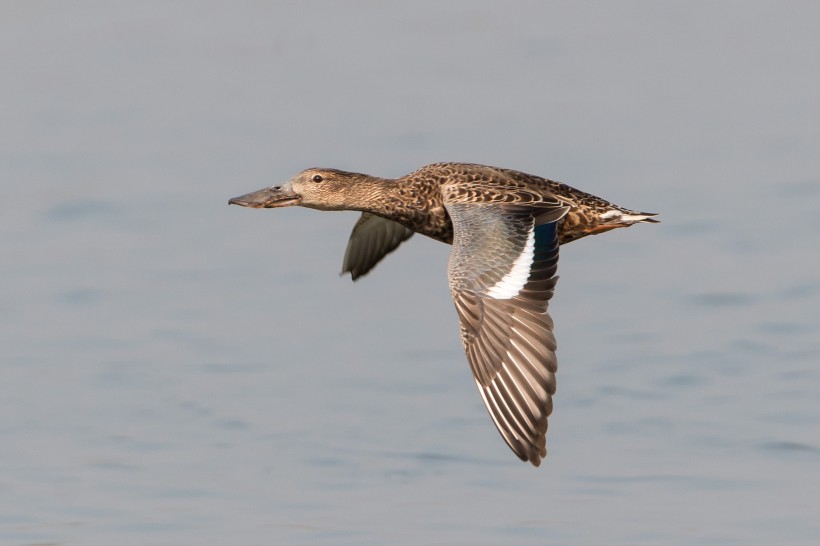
(588, 213)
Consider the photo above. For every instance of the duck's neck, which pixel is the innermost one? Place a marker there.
(414, 203)
(394, 199)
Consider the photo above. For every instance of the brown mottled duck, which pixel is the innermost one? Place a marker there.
(505, 227)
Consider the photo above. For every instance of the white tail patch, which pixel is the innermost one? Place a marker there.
(620, 217)
(512, 283)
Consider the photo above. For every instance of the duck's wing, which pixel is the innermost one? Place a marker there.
(502, 275)
(373, 238)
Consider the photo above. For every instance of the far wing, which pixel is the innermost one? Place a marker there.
(373, 237)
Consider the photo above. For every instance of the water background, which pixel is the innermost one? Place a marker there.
(177, 371)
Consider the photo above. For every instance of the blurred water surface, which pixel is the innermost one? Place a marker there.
(177, 371)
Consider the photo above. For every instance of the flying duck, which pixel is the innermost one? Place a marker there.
(505, 227)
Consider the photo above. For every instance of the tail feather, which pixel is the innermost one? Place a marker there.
(627, 217)
(646, 217)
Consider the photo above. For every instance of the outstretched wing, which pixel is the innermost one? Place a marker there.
(373, 237)
(502, 275)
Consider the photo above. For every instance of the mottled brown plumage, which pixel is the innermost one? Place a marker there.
(505, 227)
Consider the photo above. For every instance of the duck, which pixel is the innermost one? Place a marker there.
(505, 228)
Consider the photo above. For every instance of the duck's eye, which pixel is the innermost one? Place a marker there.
(317, 178)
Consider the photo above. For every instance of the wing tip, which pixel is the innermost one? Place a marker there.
(534, 457)
(355, 274)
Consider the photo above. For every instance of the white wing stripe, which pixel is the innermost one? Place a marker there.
(512, 283)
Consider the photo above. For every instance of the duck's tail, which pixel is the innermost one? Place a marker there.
(581, 225)
(624, 217)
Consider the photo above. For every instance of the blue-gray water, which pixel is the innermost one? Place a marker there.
(177, 371)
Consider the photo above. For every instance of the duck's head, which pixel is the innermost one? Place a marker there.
(324, 189)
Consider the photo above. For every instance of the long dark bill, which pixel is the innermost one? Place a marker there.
(268, 198)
